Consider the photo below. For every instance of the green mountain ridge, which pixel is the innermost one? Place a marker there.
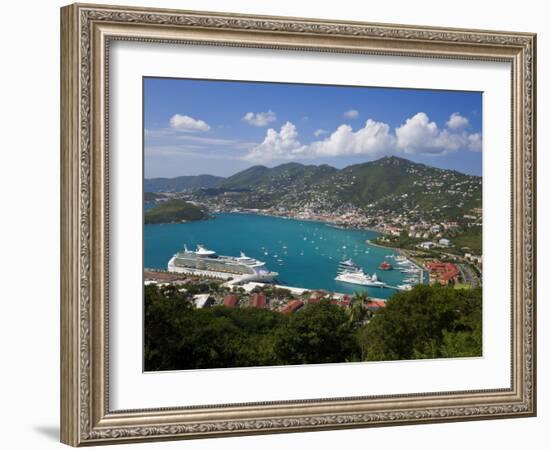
(387, 184)
(284, 175)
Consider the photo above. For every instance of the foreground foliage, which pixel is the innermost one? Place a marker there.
(428, 322)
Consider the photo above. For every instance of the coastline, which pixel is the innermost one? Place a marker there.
(160, 276)
(396, 249)
(328, 223)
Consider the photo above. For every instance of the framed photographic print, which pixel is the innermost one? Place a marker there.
(277, 224)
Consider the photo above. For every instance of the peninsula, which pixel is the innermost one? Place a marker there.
(175, 210)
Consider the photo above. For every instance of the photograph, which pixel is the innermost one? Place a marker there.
(288, 223)
(277, 222)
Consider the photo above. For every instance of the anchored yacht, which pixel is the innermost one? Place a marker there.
(361, 278)
(347, 266)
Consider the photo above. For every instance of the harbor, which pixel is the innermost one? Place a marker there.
(304, 254)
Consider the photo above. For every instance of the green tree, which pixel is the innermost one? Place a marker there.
(320, 333)
(427, 322)
(358, 308)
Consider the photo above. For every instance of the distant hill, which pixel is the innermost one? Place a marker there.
(246, 179)
(174, 211)
(387, 184)
(282, 176)
(399, 184)
(179, 184)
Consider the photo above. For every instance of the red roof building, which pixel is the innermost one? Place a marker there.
(230, 301)
(258, 300)
(375, 304)
(316, 297)
(292, 306)
(444, 272)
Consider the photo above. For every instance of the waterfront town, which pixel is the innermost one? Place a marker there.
(207, 291)
(433, 247)
(426, 247)
(434, 227)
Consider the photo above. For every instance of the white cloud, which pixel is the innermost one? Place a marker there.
(187, 123)
(260, 119)
(319, 132)
(456, 121)
(474, 142)
(373, 139)
(351, 114)
(418, 135)
(278, 145)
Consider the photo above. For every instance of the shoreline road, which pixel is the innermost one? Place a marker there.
(468, 275)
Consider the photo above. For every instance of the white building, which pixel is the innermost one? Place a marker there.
(202, 300)
(427, 245)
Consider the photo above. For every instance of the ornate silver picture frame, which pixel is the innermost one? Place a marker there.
(87, 32)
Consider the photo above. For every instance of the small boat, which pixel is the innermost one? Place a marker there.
(347, 265)
(384, 265)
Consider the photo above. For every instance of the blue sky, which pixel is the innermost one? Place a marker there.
(196, 127)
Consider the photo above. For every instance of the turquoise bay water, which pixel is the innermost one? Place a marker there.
(310, 251)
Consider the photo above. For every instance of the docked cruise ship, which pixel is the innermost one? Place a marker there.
(203, 261)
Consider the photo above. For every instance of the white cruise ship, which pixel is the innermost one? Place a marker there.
(203, 261)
